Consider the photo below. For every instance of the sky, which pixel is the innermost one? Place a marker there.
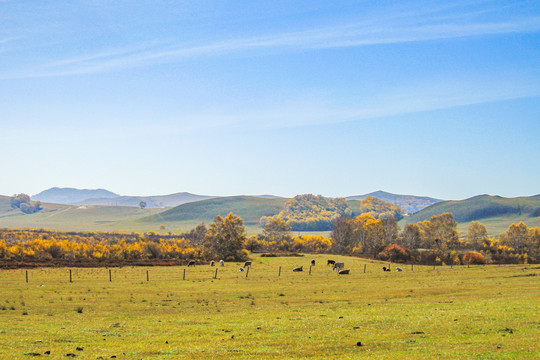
(219, 97)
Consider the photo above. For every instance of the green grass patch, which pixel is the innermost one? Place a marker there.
(483, 312)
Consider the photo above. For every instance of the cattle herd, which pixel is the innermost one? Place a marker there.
(336, 266)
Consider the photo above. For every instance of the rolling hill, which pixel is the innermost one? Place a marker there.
(66, 196)
(481, 207)
(151, 201)
(409, 203)
(249, 208)
(496, 212)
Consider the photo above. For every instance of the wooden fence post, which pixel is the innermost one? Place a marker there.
(70, 279)
(147, 277)
(184, 277)
(279, 272)
(412, 267)
(27, 276)
(309, 269)
(215, 275)
(365, 268)
(247, 271)
(110, 275)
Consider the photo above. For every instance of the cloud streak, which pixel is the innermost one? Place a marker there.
(385, 31)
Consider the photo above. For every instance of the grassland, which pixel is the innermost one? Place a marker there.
(68, 217)
(485, 312)
(249, 208)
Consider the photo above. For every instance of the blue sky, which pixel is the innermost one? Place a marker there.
(239, 97)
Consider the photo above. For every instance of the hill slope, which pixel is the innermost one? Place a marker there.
(482, 207)
(70, 195)
(151, 201)
(249, 208)
(409, 203)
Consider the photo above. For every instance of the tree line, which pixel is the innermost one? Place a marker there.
(434, 241)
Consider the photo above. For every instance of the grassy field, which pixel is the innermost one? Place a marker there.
(483, 312)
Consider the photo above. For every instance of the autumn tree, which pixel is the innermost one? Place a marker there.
(369, 234)
(342, 236)
(310, 212)
(411, 236)
(517, 236)
(225, 237)
(476, 234)
(198, 234)
(276, 230)
(391, 229)
(380, 209)
(22, 202)
(440, 232)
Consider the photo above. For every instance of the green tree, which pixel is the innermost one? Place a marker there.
(225, 238)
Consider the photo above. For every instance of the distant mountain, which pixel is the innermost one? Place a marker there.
(57, 195)
(151, 201)
(249, 208)
(409, 203)
(483, 207)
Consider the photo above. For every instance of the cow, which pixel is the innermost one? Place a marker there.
(241, 269)
(385, 268)
(297, 269)
(212, 263)
(398, 269)
(247, 263)
(338, 266)
(221, 263)
(344, 272)
(191, 263)
(330, 262)
(312, 262)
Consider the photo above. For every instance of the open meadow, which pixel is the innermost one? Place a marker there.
(481, 312)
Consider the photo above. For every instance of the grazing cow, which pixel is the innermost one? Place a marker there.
(385, 268)
(221, 263)
(241, 269)
(191, 263)
(338, 266)
(344, 272)
(247, 263)
(300, 268)
(398, 269)
(330, 262)
(212, 263)
(312, 262)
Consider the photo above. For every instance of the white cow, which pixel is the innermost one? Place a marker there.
(338, 266)
(221, 263)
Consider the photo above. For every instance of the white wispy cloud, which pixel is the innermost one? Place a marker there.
(386, 30)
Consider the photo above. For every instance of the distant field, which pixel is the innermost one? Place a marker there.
(484, 312)
(66, 217)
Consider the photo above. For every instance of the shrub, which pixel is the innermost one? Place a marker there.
(474, 258)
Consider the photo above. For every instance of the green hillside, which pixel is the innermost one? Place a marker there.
(496, 212)
(481, 207)
(249, 208)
